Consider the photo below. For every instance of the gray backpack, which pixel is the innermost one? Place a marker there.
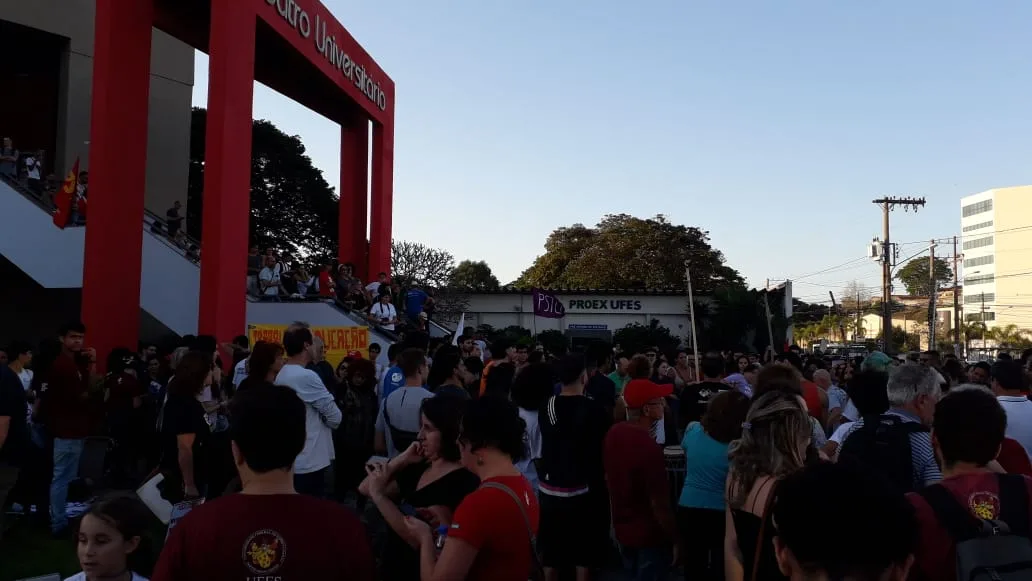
(988, 550)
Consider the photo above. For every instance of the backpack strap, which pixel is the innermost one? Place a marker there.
(953, 517)
(538, 571)
(764, 517)
(1014, 503)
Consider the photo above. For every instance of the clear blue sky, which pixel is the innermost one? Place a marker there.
(771, 124)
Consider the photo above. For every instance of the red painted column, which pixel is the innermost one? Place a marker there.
(118, 174)
(227, 174)
(354, 194)
(382, 199)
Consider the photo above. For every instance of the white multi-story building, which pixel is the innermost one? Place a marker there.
(996, 234)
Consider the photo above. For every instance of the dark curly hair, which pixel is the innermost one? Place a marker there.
(365, 368)
(494, 422)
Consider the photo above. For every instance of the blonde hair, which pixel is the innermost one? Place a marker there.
(771, 444)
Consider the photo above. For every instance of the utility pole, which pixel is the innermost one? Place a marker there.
(932, 292)
(956, 301)
(983, 322)
(841, 327)
(888, 204)
(858, 323)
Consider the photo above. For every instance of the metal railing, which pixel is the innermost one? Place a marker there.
(185, 245)
(188, 247)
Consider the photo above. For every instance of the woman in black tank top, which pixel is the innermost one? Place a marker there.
(775, 437)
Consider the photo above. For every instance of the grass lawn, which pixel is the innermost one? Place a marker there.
(27, 550)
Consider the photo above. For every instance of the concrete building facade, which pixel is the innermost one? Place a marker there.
(996, 234)
(66, 28)
(594, 314)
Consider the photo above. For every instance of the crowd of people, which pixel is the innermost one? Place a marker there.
(497, 460)
(384, 303)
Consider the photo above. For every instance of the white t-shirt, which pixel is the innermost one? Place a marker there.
(380, 311)
(269, 276)
(82, 577)
(32, 167)
(25, 375)
(240, 372)
(374, 287)
(1019, 419)
(850, 412)
(532, 438)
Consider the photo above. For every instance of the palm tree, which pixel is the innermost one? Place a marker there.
(1009, 336)
(973, 330)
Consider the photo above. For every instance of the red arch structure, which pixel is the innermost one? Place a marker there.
(295, 47)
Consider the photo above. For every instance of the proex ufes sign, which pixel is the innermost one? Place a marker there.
(604, 305)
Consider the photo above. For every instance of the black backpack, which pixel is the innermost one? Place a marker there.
(988, 550)
(882, 445)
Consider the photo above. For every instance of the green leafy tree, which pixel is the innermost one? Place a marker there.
(623, 251)
(473, 276)
(635, 338)
(914, 276)
(735, 313)
(554, 341)
(903, 341)
(293, 209)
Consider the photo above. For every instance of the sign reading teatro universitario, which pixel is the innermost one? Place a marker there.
(326, 44)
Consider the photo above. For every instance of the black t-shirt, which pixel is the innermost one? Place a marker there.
(183, 415)
(173, 220)
(601, 389)
(12, 404)
(572, 431)
(401, 562)
(695, 398)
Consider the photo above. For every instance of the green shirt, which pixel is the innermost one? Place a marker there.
(619, 381)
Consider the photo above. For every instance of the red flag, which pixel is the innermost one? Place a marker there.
(65, 197)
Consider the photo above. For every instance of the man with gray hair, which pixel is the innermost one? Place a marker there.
(897, 444)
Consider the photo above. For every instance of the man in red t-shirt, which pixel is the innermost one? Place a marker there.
(638, 488)
(267, 531)
(967, 434)
(63, 395)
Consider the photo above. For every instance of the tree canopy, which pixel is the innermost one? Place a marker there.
(293, 208)
(416, 264)
(474, 276)
(914, 275)
(623, 251)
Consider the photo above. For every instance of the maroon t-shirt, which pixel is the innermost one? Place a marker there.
(285, 536)
(935, 558)
(636, 473)
(65, 403)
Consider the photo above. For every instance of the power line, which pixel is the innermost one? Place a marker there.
(829, 269)
(949, 238)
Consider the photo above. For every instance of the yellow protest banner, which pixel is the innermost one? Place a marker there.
(338, 340)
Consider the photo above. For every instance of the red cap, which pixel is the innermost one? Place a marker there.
(355, 355)
(639, 392)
